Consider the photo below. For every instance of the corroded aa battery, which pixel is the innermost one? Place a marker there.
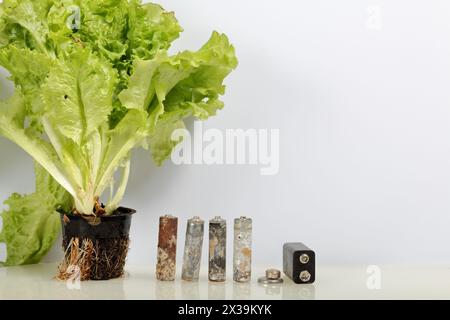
(193, 249)
(242, 249)
(217, 249)
(167, 248)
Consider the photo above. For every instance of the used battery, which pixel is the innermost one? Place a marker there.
(242, 249)
(193, 249)
(167, 248)
(299, 262)
(217, 249)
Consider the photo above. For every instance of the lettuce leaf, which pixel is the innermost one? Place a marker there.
(23, 23)
(187, 84)
(31, 224)
(150, 29)
(78, 94)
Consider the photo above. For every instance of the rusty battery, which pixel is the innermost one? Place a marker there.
(217, 249)
(167, 248)
(193, 249)
(242, 249)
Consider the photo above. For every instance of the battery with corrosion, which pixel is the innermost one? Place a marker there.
(193, 249)
(167, 248)
(242, 249)
(217, 249)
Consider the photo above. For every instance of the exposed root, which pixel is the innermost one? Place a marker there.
(77, 260)
(99, 259)
(109, 258)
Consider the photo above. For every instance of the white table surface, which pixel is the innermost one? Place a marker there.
(397, 282)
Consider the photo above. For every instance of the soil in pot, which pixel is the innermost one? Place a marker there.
(95, 248)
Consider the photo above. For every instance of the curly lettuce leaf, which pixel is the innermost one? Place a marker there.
(151, 29)
(23, 23)
(12, 127)
(104, 27)
(200, 92)
(128, 134)
(174, 88)
(28, 70)
(160, 139)
(78, 94)
(31, 223)
(140, 91)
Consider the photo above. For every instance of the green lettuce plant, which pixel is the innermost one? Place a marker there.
(94, 80)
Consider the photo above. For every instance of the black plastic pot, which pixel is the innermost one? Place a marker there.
(108, 238)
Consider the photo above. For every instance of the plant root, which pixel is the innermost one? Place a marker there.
(77, 260)
(99, 259)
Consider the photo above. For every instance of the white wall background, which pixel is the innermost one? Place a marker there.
(364, 116)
